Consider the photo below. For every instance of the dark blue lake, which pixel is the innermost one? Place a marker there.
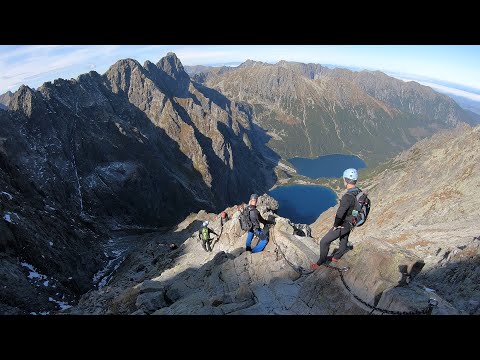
(326, 166)
(303, 203)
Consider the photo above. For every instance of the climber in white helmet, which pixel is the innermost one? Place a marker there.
(204, 235)
(343, 219)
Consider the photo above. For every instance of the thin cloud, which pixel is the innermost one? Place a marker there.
(447, 89)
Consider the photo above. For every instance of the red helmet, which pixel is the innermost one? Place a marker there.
(223, 214)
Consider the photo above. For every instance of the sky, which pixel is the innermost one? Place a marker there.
(440, 65)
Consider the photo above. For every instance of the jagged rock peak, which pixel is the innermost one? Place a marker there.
(124, 65)
(172, 66)
(24, 99)
(250, 63)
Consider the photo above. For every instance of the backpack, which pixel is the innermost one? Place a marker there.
(205, 234)
(245, 221)
(361, 209)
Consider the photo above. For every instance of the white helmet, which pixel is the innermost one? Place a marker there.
(205, 223)
(351, 174)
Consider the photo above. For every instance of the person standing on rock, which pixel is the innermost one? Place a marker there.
(342, 224)
(256, 219)
(223, 218)
(204, 236)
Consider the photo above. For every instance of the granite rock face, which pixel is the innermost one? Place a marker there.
(137, 148)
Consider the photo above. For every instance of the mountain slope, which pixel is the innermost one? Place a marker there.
(423, 201)
(310, 110)
(139, 147)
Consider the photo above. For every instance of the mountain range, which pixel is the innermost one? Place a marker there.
(310, 110)
(140, 148)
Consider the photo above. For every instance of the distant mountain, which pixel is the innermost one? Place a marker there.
(311, 110)
(5, 99)
(467, 104)
(139, 147)
(196, 69)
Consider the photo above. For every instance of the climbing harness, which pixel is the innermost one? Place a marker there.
(300, 270)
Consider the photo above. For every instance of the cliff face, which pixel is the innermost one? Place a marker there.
(138, 147)
(310, 110)
(424, 200)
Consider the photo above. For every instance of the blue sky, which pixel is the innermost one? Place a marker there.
(34, 64)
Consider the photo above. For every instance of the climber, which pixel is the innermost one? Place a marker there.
(256, 219)
(204, 235)
(223, 218)
(342, 224)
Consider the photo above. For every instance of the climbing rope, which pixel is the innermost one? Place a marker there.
(299, 269)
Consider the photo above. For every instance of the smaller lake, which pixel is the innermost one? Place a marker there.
(330, 166)
(303, 203)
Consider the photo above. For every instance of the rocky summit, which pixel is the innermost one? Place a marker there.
(187, 280)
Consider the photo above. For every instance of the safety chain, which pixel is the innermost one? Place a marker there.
(427, 311)
(299, 269)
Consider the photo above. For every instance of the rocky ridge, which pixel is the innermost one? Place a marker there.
(310, 110)
(188, 280)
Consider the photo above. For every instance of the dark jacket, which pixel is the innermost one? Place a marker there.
(344, 213)
(256, 218)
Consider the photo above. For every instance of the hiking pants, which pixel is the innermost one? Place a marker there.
(261, 244)
(330, 236)
(206, 244)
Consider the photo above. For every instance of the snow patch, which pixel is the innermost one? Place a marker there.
(51, 243)
(34, 274)
(61, 304)
(45, 283)
(8, 217)
(10, 197)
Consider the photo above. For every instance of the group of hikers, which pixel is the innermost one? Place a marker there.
(352, 211)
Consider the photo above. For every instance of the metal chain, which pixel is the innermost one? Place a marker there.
(300, 270)
(428, 310)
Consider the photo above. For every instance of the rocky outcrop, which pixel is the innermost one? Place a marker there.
(310, 110)
(229, 280)
(422, 200)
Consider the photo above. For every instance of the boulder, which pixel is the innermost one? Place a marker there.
(151, 301)
(266, 203)
(149, 286)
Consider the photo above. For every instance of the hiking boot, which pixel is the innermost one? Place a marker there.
(334, 260)
(248, 248)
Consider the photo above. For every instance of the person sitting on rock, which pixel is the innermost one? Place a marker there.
(204, 236)
(342, 224)
(256, 219)
(223, 218)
